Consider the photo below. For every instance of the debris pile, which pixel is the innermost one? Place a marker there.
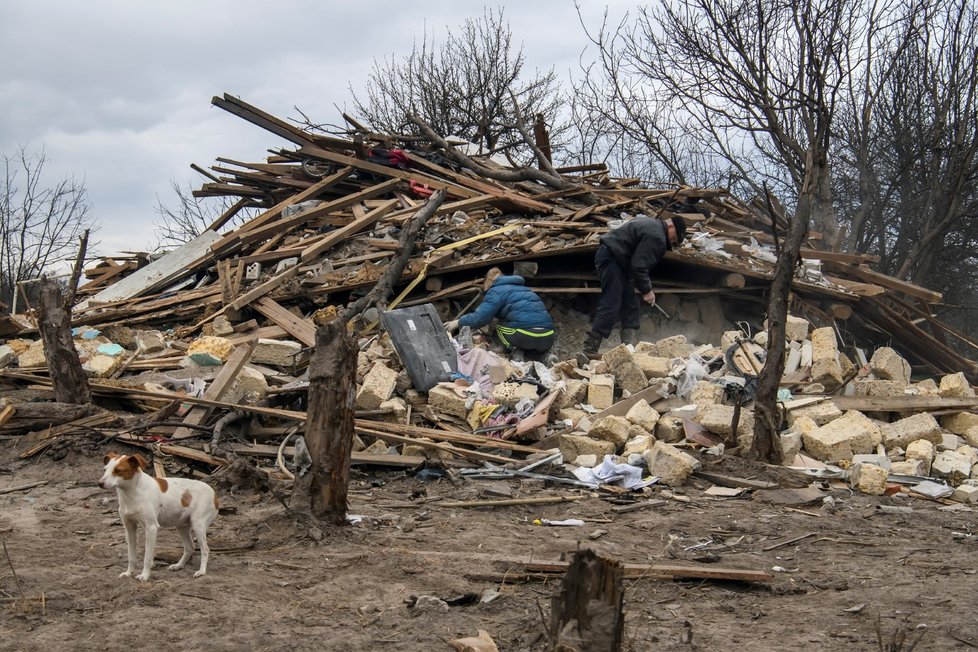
(200, 353)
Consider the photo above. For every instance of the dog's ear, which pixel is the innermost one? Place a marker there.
(139, 460)
(109, 457)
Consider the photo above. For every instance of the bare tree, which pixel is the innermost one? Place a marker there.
(190, 216)
(39, 221)
(462, 88)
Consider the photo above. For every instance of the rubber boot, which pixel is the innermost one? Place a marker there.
(591, 344)
(629, 336)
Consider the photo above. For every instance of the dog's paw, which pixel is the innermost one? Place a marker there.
(128, 573)
(143, 577)
(200, 573)
(174, 567)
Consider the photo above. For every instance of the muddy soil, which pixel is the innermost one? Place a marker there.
(272, 584)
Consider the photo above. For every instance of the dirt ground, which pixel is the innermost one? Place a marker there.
(278, 585)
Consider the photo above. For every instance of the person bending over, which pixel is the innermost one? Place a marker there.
(624, 261)
(523, 321)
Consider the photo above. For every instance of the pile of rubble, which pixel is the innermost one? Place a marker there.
(200, 353)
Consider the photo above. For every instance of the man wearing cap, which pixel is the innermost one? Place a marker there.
(624, 262)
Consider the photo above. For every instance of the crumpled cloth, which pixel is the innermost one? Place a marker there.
(475, 364)
(608, 472)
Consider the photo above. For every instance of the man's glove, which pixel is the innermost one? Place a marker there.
(452, 326)
(649, 298)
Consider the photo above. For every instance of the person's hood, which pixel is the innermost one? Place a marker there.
(510, 280)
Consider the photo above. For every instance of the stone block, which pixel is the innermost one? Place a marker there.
(825, 358)
(590, 461)
(887, 364)
(671, 465)
(638, 445)
(970, 452)
(670, 347)
(971, 436)
(279, 353)
(19, 345)
(101, 365)
(509, 394)
(601, 391)
(900, 433)
(669, 429)
(150, 342)
(617, 356)
(949, 442)
(927, 387)
(378, 447)
(613, 429)
(249, 387)
(879, 388)
(33, 356)
(718, 419)
(395, 410)
(574, 415)
(525, 268)
(849, 435)
(956, 385)
(820, 413)
(643, 415)
(790, 443)
(630, 377)
(796, 329)
(959, 423)
(909, 467)
(220, 326)
(442, 398)
(952, 466)
(965, 493)
(575, 393)
(706, 393)
(7, 356)
(121, 335)
(573, 445)
(729, 338)
(653, 366)
(207, 348)
(377, 387)
(923, 451)
(868, 478)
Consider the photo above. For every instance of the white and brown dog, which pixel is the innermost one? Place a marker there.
(187, 505)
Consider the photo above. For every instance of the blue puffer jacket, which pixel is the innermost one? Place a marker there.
(514, 304)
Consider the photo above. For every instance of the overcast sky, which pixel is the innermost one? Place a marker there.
(118, 93)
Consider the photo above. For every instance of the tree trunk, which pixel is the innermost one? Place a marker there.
(322, 492)
(64, 367)
(586, 616)
(767, 414)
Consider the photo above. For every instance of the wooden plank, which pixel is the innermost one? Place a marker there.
(335, 237)
(266, 287)
(659, 571)
(366, 459)
(266, 121)
(179, 261)
(301, 329)
(901, 403)
(888, 282)
(218, 387)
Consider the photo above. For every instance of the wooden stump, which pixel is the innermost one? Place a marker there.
(586, 616)
(322, 492)
(64, 366)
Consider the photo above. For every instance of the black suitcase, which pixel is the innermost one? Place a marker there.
(422, 344)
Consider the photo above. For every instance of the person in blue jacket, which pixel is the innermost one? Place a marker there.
(523, 322)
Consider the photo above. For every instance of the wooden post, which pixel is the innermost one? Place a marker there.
(64, 367)
(586, 616)
(322, 492)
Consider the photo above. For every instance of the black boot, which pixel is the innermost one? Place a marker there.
(592, 342)
(629, 336)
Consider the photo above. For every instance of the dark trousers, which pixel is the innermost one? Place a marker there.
(527, 339)
(618, 301)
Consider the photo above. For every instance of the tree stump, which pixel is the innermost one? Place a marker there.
(64, 366)
(322, 492)
(586, 616)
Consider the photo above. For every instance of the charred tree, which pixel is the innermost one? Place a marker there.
(322, 492)
(64, 366)
(586, 616)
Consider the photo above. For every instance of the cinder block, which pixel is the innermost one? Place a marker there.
(900, 433)
(509, 394)
(601, 391)
(377, 387)
(671, 465)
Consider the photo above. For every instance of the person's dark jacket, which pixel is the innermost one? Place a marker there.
(638, 245)
(514, 304)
